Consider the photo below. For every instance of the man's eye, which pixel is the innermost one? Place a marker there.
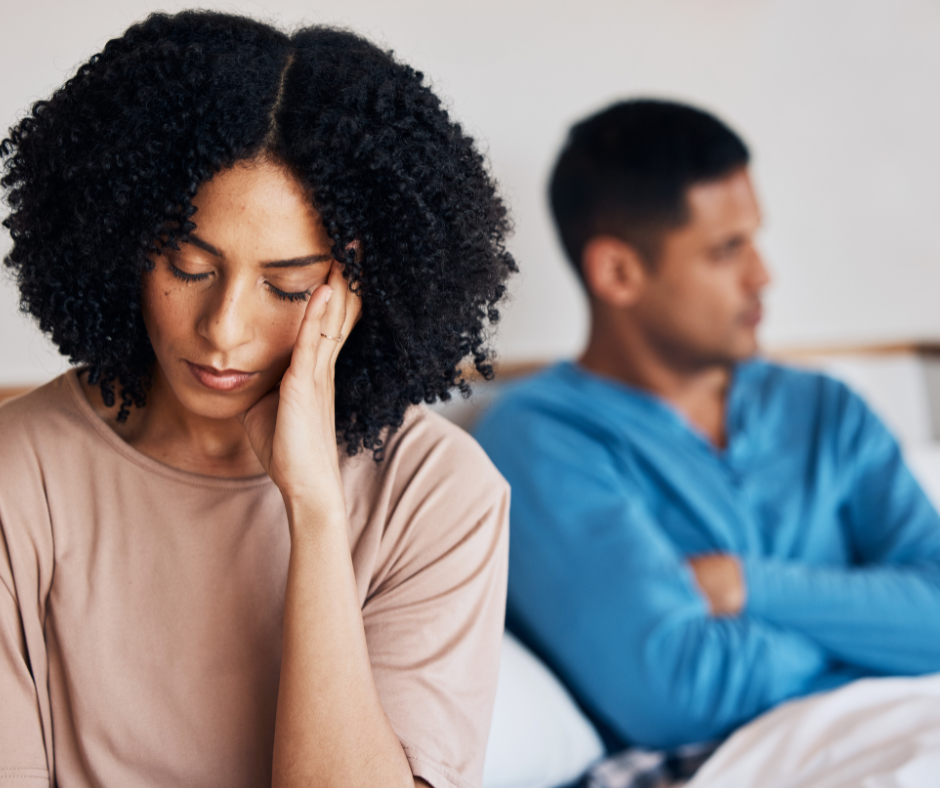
(727, 251)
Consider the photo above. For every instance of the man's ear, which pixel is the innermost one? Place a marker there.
(613, 271)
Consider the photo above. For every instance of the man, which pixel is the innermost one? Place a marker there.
(698, 535)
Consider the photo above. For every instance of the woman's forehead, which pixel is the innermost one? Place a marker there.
(259, 208)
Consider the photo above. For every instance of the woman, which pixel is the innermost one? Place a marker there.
(233, 552)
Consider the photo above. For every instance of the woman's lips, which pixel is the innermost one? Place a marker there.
(220, 380)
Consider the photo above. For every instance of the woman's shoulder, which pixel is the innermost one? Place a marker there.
(431, 470)
(44, 415)
(431, 515)
(445, 453)
(40, 432)
(37, 441)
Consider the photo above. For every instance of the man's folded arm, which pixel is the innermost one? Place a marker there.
(599, 590)
(882, 613)
(882, 618)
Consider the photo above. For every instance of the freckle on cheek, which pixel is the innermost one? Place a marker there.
(166, 292)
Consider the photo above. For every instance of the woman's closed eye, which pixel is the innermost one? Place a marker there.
(284, 295)
(290, 296)
(186, 276)
(296, 283)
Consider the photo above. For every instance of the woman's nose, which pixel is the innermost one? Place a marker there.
(224, 320)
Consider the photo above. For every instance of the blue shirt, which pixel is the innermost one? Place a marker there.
(612, 492)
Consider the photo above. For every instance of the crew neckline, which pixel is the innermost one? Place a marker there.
(149, 464)
(735, 427)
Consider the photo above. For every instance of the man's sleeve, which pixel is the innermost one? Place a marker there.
(599, 590)
(882, 613)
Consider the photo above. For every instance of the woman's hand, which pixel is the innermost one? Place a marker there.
(331, 728)
(293, 428)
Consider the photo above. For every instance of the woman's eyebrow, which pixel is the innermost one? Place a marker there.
(299, 262)
(207, 247)
(294, 262)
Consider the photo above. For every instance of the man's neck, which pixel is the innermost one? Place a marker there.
(698, 392)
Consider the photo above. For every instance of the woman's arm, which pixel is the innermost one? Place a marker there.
(331, 729)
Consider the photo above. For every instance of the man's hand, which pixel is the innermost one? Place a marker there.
(721, 580)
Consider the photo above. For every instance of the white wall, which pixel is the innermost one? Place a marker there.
(838, 99)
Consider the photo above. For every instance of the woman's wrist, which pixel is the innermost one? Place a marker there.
(308, 514)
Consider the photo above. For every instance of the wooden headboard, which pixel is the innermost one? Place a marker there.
(15, 391)
(509, 370)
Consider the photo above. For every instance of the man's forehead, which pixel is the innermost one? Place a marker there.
(723, 204)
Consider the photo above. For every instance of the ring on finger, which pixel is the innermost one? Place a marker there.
(335, 339)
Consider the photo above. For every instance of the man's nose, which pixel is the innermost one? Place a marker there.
(758, 272)
(224, 321)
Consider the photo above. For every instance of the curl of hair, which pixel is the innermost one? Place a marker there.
(103, 174)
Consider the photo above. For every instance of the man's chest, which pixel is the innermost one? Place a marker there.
(774, 503)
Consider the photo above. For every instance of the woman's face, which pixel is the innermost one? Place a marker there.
(223, 312)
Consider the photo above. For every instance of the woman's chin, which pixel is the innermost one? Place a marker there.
(219, 404)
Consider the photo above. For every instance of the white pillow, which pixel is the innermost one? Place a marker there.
(894, 386)
(924, 462)
(539, 737)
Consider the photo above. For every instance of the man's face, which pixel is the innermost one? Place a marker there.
(701, 303)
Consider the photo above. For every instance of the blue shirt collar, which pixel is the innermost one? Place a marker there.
(634, 403)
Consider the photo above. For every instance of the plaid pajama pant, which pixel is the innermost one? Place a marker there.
(639, 768)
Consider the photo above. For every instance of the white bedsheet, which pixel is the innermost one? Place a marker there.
(876, 733)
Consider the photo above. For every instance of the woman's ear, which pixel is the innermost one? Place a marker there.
(356, 246)
(613, 271)
(354, 300)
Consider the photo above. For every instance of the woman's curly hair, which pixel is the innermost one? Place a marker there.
(103, 174)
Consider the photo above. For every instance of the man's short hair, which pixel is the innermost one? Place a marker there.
(625, 170)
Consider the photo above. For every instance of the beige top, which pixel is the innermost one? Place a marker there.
(141, 607)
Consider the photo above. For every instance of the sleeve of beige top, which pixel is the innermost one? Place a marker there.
(22, 749)
(24, 575)
(434, 622)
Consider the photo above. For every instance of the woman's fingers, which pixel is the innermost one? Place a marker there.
(306, 347)
(331, 313)
(333, 330)
(336, 309)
